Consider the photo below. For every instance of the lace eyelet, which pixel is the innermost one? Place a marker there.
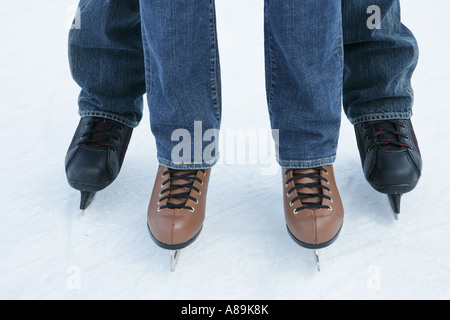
(200, 192)
(114, 150)
(295, 211)
(192, 209)
(288, 194)
(330, 208)
(158, 203)
(159, 209)
(196, 201)
(291, 204)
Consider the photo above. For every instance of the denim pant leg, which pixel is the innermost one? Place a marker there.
(304, 67)
(183, 80)
(106, 60)
(379, 61)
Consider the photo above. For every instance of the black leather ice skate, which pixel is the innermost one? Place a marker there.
(95, 155)
(390, 157)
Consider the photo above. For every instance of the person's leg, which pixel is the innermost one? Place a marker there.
(304, 63)
(183, 80)
(381, 55)
(183, 88)
(107, 60)
(379, 63)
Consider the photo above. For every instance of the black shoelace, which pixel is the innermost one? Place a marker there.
(314, 185)
(386, 135)
(99, 132)
(190, 176)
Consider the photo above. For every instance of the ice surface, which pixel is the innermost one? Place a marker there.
(49, 251)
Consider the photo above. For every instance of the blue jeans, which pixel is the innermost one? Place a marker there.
(169, 50)
(379, 63)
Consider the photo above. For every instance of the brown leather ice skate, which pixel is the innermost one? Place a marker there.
(177, 207)
(312, 205)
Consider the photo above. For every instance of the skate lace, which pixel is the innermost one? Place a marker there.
(313, 199)
(98, 133)
(179, 191)
(386, 135)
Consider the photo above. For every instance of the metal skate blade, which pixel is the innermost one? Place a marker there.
(174, 256)
(394, 200)
(316, 254)
(86, 199)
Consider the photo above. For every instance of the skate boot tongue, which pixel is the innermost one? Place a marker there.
(308, 185)
(309, 190)
(387, 134)
(178, 187)
(100, 132)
